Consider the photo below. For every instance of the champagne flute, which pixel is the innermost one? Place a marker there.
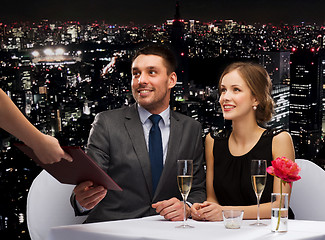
(258, 178)
(184, 181)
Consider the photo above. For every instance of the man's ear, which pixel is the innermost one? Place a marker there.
(172, 80)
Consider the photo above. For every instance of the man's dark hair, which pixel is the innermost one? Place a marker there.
(161, 51)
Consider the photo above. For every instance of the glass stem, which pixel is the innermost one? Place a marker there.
(258, 209)
(184, 219)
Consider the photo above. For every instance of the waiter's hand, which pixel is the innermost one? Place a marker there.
(172, 209)
(48, 150)
(88, 195)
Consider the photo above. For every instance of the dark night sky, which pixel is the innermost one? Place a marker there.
(156, 12)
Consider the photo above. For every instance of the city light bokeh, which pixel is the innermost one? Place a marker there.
(62, 73)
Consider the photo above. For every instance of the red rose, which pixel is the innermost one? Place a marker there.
(285, 169)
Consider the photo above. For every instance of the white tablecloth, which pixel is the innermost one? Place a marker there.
(156, 228)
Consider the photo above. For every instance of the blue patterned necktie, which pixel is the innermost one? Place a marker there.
(155, 150)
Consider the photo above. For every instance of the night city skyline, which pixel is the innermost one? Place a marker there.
(61, 65)
(149, 12)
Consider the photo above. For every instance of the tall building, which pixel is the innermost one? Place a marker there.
(277, 64)
(307, 78)
(177, 33)
(281, 96)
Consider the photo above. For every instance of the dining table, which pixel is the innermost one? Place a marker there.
(157, 228)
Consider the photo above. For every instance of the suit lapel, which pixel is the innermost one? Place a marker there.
(175, 137)
(135, 130)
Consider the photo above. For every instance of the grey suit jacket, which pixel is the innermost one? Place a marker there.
(117, 143)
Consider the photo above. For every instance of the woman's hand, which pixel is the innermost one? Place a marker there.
(206, 211)
(194, 211)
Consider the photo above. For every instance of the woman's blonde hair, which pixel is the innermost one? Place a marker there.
(259, 82)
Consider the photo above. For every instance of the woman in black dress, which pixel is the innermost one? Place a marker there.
(245, 98)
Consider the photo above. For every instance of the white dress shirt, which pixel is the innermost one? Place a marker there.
(164, 126)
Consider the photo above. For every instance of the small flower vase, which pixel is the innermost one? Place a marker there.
(279, 215)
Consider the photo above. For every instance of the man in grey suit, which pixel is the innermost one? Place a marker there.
(119, 142)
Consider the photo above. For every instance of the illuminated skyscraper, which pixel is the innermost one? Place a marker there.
(307, 78)
(177, 31)
(281, 95)
(178, 44)
(277, 64)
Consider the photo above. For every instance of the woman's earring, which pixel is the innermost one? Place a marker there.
(254, 107)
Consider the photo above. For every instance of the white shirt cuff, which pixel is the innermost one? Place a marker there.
(81, 208)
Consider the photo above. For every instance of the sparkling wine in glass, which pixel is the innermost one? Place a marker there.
(258, 178)
(184, 181)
